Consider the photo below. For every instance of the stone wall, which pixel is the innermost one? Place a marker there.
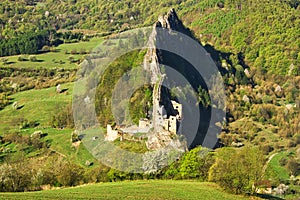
(111, 134)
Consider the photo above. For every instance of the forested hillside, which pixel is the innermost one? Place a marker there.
(265, 33)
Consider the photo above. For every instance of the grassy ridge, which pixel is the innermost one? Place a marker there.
(133, 190)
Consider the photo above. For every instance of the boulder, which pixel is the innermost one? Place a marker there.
(15, 105)
(247, 73)
(37, 134)
(58, 88)
(246, 99)
(237, 144)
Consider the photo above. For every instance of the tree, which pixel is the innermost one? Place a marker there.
(238, 170)
(196, 163)
(15, 174)
(203, 97)
(293, 166)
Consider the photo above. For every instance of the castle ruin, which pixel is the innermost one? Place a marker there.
(166, 113)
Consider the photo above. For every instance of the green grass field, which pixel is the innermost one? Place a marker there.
(51, 60)
(41, 105)
(276, 169)
(38, 105)
(153, 189)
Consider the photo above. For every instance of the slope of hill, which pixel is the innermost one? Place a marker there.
(270, 43)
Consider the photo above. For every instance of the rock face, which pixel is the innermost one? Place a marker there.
(171, 21)
(165, 117)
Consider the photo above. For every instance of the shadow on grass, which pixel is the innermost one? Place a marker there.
(45, 52)
(64, 90)
(10, 62)
(268, 196)
(20, 107)
(39, 61)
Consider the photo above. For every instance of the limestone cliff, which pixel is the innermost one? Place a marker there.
(162, 105)
(171, 21)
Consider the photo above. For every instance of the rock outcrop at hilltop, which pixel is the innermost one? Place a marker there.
(172, 21)
(181, 113)
(163, 63)
(164, 113)
(154, 57)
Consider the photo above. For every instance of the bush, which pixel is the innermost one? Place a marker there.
(266, 99)
(63, 118)
(28, 124)
(293, 166)
(5, 61)
(45, 48)
(196, 163)
(266, 149)
(97, 174)
(21, 58)
(70, 174)
(74, 51)
(32, 58)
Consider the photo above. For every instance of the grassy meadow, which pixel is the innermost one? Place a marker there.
(56, 59)
(153, 189)
(37, 105)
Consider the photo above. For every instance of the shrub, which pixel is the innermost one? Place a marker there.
(5, 61)
(266, 149)
(74, 51)
(293, 166)
(21, 58)
(32, 58)
(196, 163)
(46, 48)
(63, 118)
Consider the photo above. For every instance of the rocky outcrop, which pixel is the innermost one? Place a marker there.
(171, 21)
(162, 105)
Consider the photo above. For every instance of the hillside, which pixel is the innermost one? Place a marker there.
(270, 44)
(43, 47)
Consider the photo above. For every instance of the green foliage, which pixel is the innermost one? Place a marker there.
(32, 58)
(270, 43)
(133, 146)
(196, 163)
(108, 81)
(265, 33)
(70, 37)
(69, 174)
(203, 97)
(238, 170)
(140, 103)
(26, 43)
(4, 100)
(240, 75)
(216, 23)
(63, 118)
